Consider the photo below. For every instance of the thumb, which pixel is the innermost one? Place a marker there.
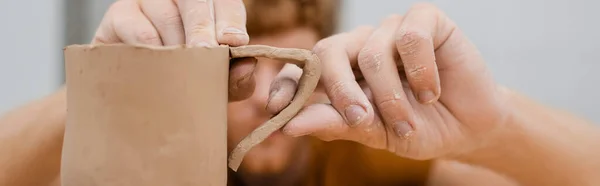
(241, 79)
(283, 88)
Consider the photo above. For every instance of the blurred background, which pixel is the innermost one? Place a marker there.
(546, 49)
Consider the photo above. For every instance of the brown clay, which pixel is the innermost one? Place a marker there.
(145, 116)
(141, 115)
(308, 82)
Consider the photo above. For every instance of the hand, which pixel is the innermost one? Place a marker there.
(414, 86)
(178, 22)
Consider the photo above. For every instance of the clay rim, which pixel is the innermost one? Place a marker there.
(143, 46)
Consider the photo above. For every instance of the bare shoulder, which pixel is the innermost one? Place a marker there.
(453, 173)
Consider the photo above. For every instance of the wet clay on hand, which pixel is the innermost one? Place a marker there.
(310, 65)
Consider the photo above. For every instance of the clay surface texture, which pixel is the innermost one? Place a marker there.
(145, 116)
(141, 115)
(308, 82)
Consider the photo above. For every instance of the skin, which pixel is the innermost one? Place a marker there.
(474, 120)
(308, 82)
(182, 22)
(273, 156)
(467, 117)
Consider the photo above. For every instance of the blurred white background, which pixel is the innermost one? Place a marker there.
(546, 49)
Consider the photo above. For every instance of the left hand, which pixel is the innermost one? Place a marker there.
(183, 22)
(426, 92)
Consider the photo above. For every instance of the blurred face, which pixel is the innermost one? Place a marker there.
(274, 154)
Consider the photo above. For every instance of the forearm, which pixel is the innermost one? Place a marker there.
(31, 141)
(542, 146)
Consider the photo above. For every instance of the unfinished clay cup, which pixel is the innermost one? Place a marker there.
(140, 115)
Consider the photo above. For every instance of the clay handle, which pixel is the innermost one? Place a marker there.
(310, 65)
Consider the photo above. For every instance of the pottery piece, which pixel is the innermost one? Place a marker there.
(142, 115)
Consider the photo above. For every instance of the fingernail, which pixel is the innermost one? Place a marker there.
(355, 114)
(403, 129)
(232, 30)
(272, 94)
(426, 96)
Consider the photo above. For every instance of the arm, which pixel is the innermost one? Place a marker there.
(31, 139)
(542, 146)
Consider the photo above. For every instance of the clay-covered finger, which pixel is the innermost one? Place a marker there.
(165, 17)
(241, 78)
(320, 120)
(198, 22)
(378, 66)
(338, 79)
(230, 18)
(283, 88)
(323, 121)
(127, 24)
(415, 44)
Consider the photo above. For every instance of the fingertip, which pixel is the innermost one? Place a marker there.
(231, 22)
(233, 37)
(355, 114)
(243, 90)
(426, 96)
(281, 94)
(241, 78)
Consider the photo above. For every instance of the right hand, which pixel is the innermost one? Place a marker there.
(178, 22)
(385, 85)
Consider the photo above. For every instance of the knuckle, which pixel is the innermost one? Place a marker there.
(337, 89)
(416, 70)
(169, 18)
(369, 59)
(147, 36)
(390, 103)
(201, 27)
(323, 46)
(424, 6)
(407, 39)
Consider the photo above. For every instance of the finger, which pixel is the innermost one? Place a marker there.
(165, 17)
(131, 26)
(198, 22)
(230, 20)
(321, 120)
(377, 63)
(241, 78)
(415, 44)
(338, 79)
(105, 33)
(283, 88)
(126, 23)
(324, 122)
